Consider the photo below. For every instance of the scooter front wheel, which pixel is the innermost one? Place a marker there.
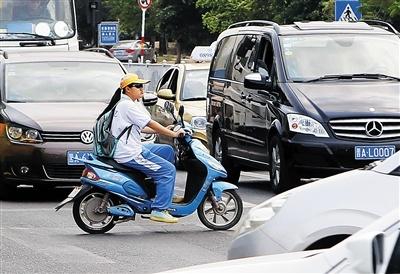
(226, 215)
(87, 215)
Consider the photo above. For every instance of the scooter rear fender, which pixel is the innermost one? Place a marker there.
(219, 186)
(85, 189)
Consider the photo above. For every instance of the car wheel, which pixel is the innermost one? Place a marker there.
(220, 153)
(282, 176)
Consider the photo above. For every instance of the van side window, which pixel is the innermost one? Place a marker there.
(265, 58)
(222, 57)
(243, 57)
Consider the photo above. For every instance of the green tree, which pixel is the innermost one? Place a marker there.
(220, 14)
(386, 10)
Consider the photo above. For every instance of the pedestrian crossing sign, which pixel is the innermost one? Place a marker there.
(347, 10)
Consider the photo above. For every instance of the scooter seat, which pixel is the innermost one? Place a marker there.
(135, 173)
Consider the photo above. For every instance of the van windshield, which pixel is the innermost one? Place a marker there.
(26, 19)
(312, 56)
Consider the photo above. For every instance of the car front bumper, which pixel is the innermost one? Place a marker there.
(320, 157)
(253, 243)
(44, 163)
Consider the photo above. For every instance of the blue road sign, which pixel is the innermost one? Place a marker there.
(108, 33)
(347, 10)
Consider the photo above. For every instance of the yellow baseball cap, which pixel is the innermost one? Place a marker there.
(131, 78)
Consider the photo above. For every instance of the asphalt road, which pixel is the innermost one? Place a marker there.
(35, 238)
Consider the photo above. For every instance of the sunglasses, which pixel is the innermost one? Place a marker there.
(138, 85)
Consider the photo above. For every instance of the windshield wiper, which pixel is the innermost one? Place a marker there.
(353, 76)
(375, 76)
(42, 37)
(195, 99)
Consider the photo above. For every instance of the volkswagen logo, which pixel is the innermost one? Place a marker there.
(374, 128)
(87, 137)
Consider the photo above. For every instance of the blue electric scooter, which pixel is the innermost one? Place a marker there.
(111, 193)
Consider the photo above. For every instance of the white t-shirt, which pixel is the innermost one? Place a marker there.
(128, 113)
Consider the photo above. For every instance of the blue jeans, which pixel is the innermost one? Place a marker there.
(157, 162)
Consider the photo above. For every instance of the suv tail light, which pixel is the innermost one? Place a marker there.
(90, 174)
(130, 51)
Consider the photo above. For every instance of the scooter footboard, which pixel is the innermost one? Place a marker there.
(219, 186)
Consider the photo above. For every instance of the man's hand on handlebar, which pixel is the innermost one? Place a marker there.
(179, 133)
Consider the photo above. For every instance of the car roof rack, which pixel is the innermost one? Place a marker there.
(255, 23)
(4, 53)
(101, 50)
(381, 24)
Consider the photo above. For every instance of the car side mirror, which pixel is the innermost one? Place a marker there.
(256, 81)
(166, 94)
(367, 251)
(149, 99)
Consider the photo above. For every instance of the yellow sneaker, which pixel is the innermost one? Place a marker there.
(162, 216)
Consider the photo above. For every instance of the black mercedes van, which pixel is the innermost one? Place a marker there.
(304, 100)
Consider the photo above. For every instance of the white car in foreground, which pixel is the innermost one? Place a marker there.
(375, 249)
(320, 214)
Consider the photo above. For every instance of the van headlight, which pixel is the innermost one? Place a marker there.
(306, 125)
(23, 134)
(198, 122)
(261, 213)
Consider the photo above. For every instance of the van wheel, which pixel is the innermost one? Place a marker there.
(280, 173)
(220, 153)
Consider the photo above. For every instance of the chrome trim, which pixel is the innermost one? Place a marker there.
(359, 128)
(249, 160)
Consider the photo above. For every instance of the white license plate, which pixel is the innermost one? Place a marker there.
(119, 52)
(74, 156)
(373, 152)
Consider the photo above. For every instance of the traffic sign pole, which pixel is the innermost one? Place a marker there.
(142, 43)
(144, 5)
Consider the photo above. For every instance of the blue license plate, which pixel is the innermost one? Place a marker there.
(373, 152)
(73, 156)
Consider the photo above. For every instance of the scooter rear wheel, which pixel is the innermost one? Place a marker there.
(228, 213)
(86, 216)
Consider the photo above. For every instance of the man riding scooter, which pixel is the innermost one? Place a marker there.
(154, 160)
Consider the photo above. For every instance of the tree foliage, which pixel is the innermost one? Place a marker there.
(386, 10)
(220, 14)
